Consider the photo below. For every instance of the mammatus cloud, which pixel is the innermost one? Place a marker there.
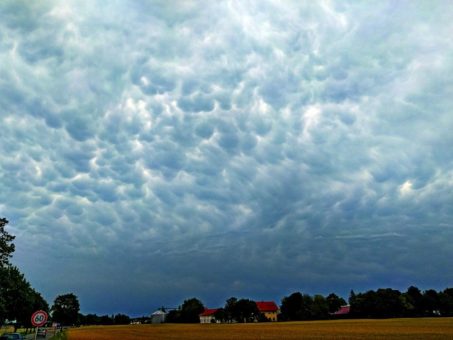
(152, 151)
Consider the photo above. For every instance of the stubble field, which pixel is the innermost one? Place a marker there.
(423, 328)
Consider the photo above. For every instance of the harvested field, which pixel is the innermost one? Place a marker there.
(423, 328)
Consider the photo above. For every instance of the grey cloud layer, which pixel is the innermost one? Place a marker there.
(206, 149)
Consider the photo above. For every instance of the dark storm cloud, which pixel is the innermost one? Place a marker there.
(152, 152)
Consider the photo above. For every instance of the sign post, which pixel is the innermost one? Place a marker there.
(38, 319)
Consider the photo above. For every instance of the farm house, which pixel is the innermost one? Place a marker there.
(208, 315)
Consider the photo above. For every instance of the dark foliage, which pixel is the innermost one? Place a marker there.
(297, 307)
(334, 302)
(93, 319)
(6, 243)
(18, 300)
(65, 309)
(189, 312)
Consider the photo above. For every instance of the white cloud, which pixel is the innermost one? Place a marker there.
(405, 189)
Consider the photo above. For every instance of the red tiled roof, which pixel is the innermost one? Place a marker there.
(266, 306)
(343, 310)
(209, 312)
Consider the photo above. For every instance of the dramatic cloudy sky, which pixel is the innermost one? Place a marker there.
(152, 151)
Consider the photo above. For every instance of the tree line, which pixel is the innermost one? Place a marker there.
(382, 303)
(105, 320)
(388, 303)
(235, 310)
(297, 306)
(18, 300)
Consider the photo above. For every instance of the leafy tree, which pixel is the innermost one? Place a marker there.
(19, 299)
(65, 309)
(220, 315)
(389, 303)
(383, 303)
(90, 319)
(361, 304)
(245, 310)
(121, 319)
(191, 310)
(229, 308)
(320, 308)
(297, 307)
(430, 302)
(2, 307)
(413, 300)
(334, 302)
(173, 316)
(290, 307)
(105, 320)
(446, 302)
(93, 319)
(6, 245)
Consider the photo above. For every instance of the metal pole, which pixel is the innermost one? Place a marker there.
(36, 333)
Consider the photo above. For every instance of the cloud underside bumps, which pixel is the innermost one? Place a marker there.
(207, 148)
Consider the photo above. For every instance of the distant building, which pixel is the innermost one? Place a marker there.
(158, 316)
(208, 315)
(269, 309)
(343, 311)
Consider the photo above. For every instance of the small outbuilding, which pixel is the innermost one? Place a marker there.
(158, 316)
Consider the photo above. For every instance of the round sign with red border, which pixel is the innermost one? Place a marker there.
(39, 318)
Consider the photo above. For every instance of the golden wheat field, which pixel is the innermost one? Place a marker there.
(423, 328)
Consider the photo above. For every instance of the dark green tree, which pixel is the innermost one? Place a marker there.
(121, 319)
(413, 299)
(334, 302)
(291, 305)
(220, 315)
(245, 310)
(65, 309)
(105, 320)
(430, 302)
(6, 250)
(320, 308)
(191, 310)
(229, 308)
(389, 303)
(446, 302)
(19, 299)
(173, 316)
(91, 319)
(297, 306)
(6, 243)
(2, 307)
(383, 303)
(359, 305)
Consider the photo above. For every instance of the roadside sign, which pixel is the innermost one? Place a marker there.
(39, 318)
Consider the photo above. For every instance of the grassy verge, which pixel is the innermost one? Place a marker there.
(60, 336)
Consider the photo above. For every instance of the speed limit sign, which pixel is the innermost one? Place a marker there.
(39, 318)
